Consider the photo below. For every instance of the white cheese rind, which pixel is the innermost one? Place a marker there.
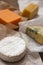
(12, 49)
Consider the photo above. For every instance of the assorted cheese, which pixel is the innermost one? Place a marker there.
(7, 16)
(12, 48)
(36, 32)
(30, 11)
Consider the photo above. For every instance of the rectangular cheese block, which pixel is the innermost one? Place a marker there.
(36, 32)
(7, 16)
(30, 11)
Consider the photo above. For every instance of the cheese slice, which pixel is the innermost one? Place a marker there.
(30, 11)
(36, 32)
(12, 48)
(7, 16)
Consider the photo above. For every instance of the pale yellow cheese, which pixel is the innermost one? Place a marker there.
(36, 32)
(30, 11)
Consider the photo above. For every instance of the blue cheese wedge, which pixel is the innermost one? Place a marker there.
(36, 32)
(12, 49)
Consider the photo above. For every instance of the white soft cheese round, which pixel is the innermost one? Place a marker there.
(12, 48)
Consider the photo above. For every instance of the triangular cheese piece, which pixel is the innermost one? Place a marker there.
(36, 32)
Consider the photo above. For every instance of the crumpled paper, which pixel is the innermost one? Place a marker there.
(2, 31)
(24, 3)
(6, 5)
(32, 45)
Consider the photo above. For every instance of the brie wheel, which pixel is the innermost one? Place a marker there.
(12, 49)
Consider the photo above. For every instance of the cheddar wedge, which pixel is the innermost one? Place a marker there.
(36, 32)
(7, 16)
(30, 11)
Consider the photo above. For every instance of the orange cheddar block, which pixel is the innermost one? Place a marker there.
(7, 16)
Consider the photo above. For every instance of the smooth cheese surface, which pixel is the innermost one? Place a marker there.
(31, 7)
(30, 11)
(7, 16)
(36, 32)
(12, 48)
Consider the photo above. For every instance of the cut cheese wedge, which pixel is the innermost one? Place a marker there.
(7, 16)
(12, 49)
(36, 32)
(30, 11)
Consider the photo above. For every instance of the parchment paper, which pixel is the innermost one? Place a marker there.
(32, 45)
